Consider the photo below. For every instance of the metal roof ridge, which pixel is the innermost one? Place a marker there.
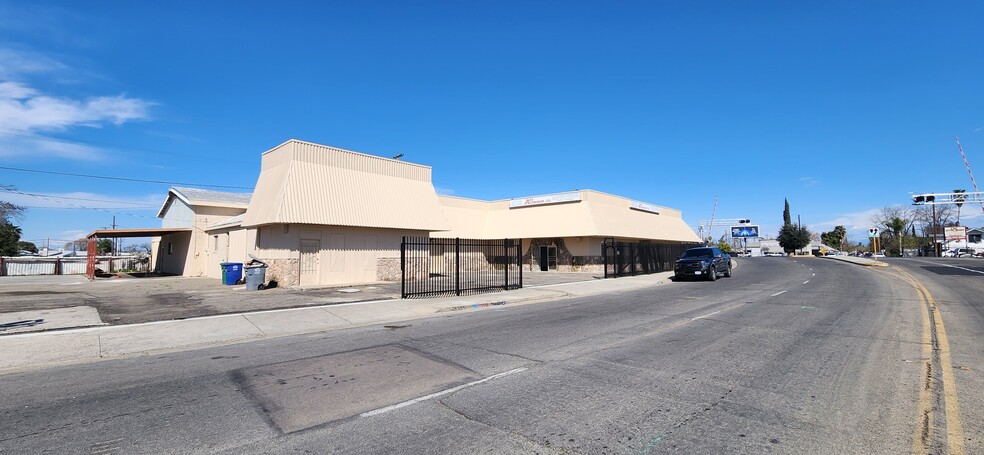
(298, 141)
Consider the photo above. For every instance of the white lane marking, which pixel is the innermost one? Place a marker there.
(780, 292)
(706, 315)
(437, 394)
(951, 266)
(807, 281)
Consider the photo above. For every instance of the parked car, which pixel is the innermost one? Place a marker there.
(703, 262)
(960, 253)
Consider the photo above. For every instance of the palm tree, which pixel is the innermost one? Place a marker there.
(897, 226)
(959, 198)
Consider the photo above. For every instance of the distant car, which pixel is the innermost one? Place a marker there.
(961, 253)
(703, 262)
(773, 253)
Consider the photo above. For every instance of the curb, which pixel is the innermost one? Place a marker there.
(863, 264)
(38, 350)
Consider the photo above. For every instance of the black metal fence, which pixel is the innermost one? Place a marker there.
(434, 267)
(628, 258)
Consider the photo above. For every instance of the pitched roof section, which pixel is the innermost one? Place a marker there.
(574, 214)
(227, 223)
(306, 183)
(195, 196)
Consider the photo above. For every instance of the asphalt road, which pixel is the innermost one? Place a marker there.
(788, 356)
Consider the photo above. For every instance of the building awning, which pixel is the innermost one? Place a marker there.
(127, 233)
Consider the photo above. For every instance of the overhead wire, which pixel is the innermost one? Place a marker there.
(125, 179)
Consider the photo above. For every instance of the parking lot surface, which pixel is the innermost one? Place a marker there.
(132, 300)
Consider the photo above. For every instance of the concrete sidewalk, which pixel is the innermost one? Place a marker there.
(35, 350)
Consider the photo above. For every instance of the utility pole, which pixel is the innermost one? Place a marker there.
(113, 253)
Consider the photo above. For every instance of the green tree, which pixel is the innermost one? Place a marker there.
(786, 218)
(9, 236)
(792, 237)
(104, 246)
(27, 246)
(836, 238)
(724, 245)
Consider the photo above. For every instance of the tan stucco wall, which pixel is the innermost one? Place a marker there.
(199, 260)
(179, 259)
(347, 255)
(235, 245)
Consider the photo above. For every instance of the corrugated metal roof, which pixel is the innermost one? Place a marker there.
(195, 196)
(595, 214)
(306, 183)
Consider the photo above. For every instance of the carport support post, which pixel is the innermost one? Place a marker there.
(90, 258)
(457, 266)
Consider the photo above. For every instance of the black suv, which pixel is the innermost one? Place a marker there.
(702, 262)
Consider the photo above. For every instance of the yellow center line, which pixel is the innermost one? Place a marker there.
(954, 427)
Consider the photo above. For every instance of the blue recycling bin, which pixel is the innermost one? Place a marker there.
(232, 272)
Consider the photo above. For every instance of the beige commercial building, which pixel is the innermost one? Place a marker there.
(321, 215)
(318, 215)
(564, 231)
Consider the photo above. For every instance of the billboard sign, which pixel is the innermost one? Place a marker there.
(955, 232)
(744, 231)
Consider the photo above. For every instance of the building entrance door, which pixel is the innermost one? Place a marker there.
(548, 258)
(310, 252)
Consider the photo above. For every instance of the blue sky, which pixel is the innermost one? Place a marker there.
(843, 108)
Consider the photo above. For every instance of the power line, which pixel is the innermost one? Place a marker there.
(76, 205)
(9, 190)
(163, 182)
(137, 204)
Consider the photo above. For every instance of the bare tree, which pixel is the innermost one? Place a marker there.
(945, 215)
(9, 211)
(902, 212)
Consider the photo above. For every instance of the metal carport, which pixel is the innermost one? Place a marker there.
(90, 266)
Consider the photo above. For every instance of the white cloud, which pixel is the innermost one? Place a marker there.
(809, 181)
(14, 64)
(25, 113)
(23, 108)
(14, 144)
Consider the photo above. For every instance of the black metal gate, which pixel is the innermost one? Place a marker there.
(629, 258)
(434, 267)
